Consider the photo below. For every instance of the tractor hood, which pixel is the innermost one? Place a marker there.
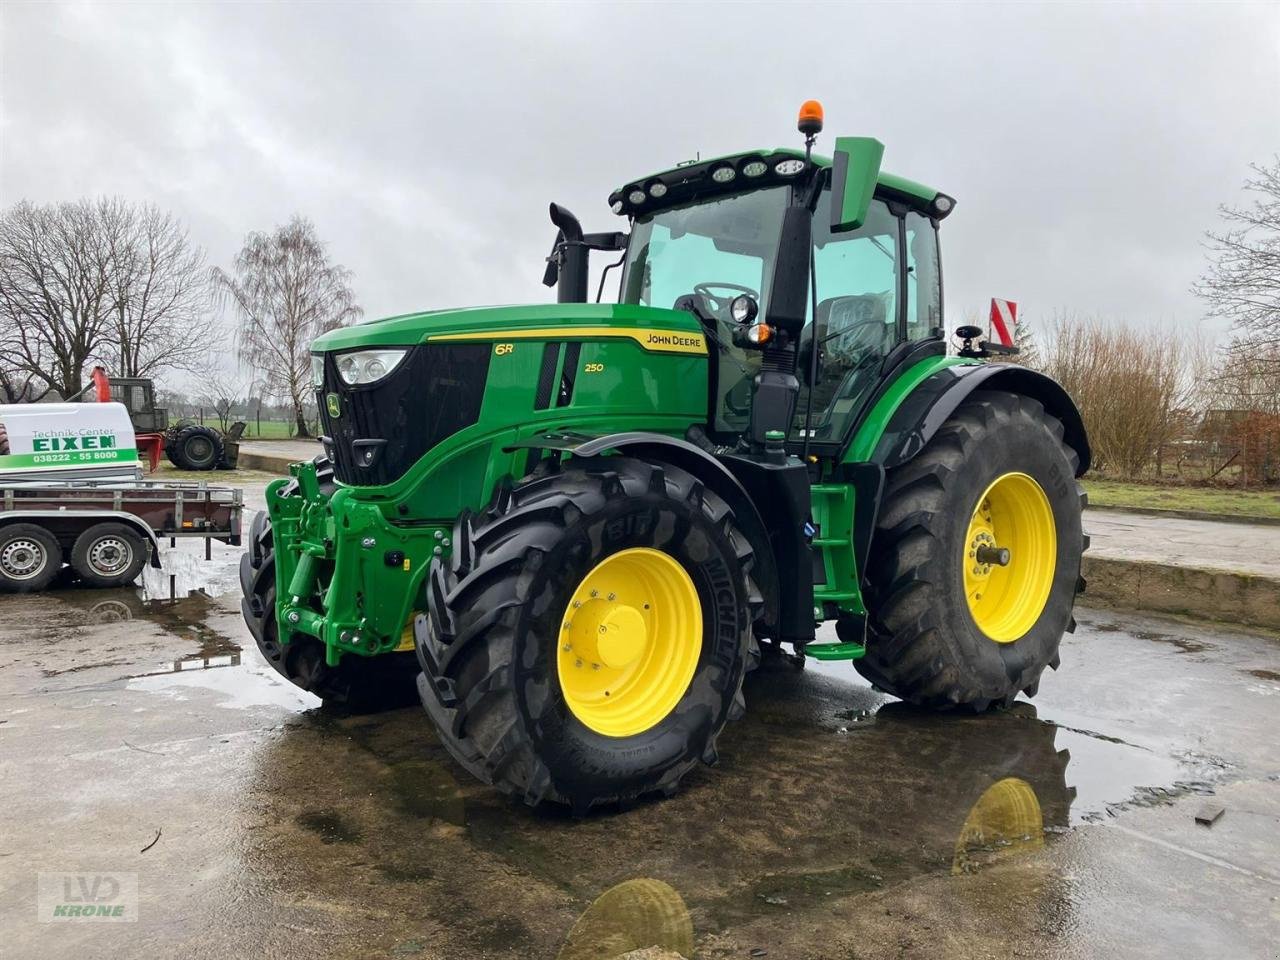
(660, 330)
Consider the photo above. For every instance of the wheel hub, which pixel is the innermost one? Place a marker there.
(1010, 557)
(629, 642)
(110, 555)
(22, 559)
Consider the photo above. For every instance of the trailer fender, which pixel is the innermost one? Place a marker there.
(926, 408)
(90, 517)
(692, 459)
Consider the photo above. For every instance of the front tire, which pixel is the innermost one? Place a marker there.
(640, 555)
(955, 620)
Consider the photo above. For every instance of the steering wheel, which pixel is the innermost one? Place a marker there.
(717, 304)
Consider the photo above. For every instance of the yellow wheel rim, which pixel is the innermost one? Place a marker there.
(629, 642)
(1010, 554)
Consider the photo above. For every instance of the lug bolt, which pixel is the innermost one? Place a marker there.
(577, 663)
(437, 551)
(613, 596)
(567, 624)
(595, 593)
(439, 534)
(445, 541)
(603, 628)
(595, 666)
(577, 603)
(567, 647)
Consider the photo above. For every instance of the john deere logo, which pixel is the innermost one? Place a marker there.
(332, 405)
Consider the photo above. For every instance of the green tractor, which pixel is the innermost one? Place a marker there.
(571, 529)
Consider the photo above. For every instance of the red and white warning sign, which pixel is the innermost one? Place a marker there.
(1004, 318)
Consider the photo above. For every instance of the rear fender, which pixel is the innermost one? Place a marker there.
(928, 406)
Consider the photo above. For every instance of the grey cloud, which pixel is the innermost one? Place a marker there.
(1088, 145)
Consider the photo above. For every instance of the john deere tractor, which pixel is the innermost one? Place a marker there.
(571, 529)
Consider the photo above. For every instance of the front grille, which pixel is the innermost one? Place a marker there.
(434, 392)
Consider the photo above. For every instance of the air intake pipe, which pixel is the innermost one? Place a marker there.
(567, 266)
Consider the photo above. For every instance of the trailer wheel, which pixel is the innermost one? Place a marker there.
(588, 636)
(30, 558)
(109, 555)
(195, 447)
(975, 561)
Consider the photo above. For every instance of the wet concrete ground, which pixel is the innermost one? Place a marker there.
(836, 824)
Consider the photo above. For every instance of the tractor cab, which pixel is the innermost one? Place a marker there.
(878, 289)
(824, 270)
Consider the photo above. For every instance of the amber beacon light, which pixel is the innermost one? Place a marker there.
(810, 121)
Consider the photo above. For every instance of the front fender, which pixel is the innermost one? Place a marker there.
(660, 448)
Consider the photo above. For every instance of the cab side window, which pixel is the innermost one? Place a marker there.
(857, 317)
(924, 279)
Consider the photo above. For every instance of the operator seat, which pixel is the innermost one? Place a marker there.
(854, 336)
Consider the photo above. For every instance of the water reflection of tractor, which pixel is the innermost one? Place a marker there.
(578, 522)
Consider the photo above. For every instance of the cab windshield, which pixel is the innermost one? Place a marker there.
(726, 245)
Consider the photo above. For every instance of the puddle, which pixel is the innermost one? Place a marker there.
(250, 682)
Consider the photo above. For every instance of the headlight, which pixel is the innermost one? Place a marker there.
(368, 366)
(788, 168)
(743, 308)
(317, 370)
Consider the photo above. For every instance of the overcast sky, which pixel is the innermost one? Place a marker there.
(1088, 146)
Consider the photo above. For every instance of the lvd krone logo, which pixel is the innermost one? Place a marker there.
(85, 895)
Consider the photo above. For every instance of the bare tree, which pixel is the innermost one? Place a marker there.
(97, 280)
(222, 389)
(54, 291)
(160, 310)
(1242, 283)
(285, 293)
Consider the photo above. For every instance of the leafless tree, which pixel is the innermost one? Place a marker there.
(100, 280)
(285, 292)
(160, 307)
(222, 389)
(1247, 377)
(1242, 283)
(54, 291)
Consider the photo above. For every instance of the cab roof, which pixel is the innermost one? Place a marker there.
(698, 179)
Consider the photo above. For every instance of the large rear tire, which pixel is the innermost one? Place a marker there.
(195, 447)
(357, 684)
(588, 636)
(975, 563)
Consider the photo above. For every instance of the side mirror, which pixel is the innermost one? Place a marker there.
(855, 168)
(789, 293)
